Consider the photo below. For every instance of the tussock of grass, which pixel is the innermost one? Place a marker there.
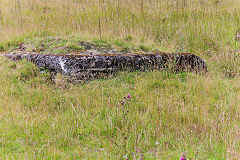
(72, 44)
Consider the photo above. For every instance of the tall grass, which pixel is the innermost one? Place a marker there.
(166, 115)
(207, 27)
(187, 25)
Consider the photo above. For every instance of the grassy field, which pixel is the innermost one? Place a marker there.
(137, 115)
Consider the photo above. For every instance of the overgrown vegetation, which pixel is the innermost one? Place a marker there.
(73, 45)
(150, 115)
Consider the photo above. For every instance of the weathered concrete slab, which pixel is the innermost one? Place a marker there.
(86, 66)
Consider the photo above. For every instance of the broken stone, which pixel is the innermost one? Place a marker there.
(92, 65)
